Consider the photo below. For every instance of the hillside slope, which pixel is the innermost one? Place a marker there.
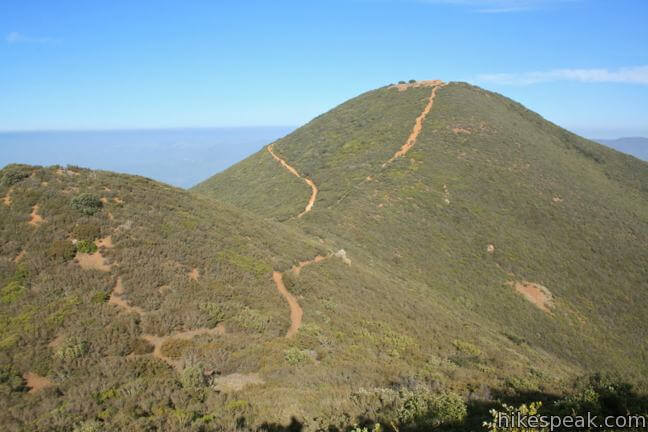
(491, 207)
(413, 256)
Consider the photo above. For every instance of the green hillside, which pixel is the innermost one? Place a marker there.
(499, 259)
(489, 196)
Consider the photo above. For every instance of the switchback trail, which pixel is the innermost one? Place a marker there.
(296, 312)
(416, 130)
(418, 126)
(294, 172)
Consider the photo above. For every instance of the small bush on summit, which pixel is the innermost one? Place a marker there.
(86, 203)
(13, 176)
(412, 81)
(401, 82)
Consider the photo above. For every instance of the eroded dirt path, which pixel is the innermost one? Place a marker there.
(418, 124)
(117, 300)
(158, 341)
(293, 171)
(296, 312)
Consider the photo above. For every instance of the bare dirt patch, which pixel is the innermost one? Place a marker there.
(459, 130)
(104, 242)
(94, 261)
(36, 382)
(7, 198)
(236, 381)
(104, 200)
(194, 274)
(293, 171)
(537, 294)
(118, 200)
(418, 124)
(424, 83)
(557, 199)
(20, 256)
(36, 219)
(490, 248)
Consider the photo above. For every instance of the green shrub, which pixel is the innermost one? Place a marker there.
(412, 81)
(142, 347)
(72, 349)
(87, 231)
(214, 312)
(15, 286)
(192, 377)
(173, 348)
(402, 82)
(11, 292)
(422, 408)
(61, 250)
(13, 176)
(100, 296)
(86, 203)
(86, 246)
(294, 356)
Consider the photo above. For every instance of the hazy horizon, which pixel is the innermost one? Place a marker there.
(178, 156)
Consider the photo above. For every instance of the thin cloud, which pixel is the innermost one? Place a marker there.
(19, 38)
(501, 6)
(629, 75)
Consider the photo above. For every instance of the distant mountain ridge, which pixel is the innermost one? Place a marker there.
(635, 146)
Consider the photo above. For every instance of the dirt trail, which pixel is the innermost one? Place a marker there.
(296, 312)
(418, 125)
(158, 341)
(117, 300)
(36, 382)
(296, 269)
(293, 171)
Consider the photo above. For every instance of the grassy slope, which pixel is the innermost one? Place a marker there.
(588, 249)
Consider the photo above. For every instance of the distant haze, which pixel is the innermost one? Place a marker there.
(181, 157)
(635, 146)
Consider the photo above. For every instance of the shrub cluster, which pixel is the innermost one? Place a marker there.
(86, 203)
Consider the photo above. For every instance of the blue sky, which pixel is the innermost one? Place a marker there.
(134, 64)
